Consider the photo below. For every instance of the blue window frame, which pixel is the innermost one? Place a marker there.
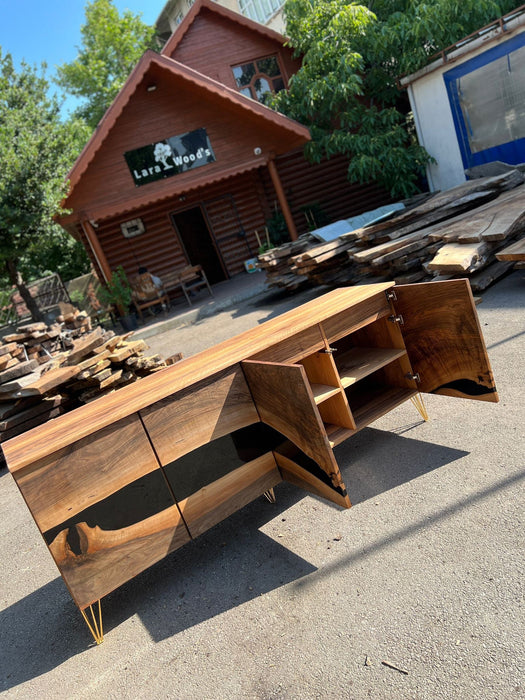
(487, 98)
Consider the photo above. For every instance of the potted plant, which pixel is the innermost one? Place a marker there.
(119, 295)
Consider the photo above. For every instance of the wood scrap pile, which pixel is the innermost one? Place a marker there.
(277, 263)
(96, 363)
(456, 233)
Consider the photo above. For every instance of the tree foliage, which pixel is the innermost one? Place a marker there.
(346, 89)
(111, 46)
(36, 152)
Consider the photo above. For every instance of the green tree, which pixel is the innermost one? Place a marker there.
(111, 46)
(36, 152)
(346, 90)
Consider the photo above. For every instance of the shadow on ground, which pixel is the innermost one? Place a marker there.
(226, 567)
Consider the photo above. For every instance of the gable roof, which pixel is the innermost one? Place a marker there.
(200, 5)
(298, 134)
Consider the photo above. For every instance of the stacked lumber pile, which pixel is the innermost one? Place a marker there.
(94, 364)
(277, 263)
(325, 263)
(455, 233)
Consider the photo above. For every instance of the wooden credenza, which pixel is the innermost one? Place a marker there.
(118, 484)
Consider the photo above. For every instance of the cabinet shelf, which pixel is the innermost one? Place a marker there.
(358, 363)
(377, 404)
(322, 392)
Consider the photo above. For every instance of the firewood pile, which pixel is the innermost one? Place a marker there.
(48, 370)
(456, 233)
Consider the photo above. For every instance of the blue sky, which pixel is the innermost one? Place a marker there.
(38, 31)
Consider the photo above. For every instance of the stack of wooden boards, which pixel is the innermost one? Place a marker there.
(74, 372)
(456, 233)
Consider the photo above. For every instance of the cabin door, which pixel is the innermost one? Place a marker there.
(198, 243)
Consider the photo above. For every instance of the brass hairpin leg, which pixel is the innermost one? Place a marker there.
(95, 628)
(270, 495)
(420, 406)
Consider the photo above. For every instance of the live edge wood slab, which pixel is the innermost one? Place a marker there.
(118, 484)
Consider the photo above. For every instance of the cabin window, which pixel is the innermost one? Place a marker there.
(260, 10)
(256, 78)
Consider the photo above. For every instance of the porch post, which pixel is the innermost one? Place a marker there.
(96, 249)
(276, 180)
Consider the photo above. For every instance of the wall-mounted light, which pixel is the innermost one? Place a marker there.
(151, 88)
(182, 198)
(257, 151)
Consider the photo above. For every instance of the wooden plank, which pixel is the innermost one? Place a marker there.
(481, 280)
(444, 340)
(203, 412)
(9, 421)
(376, 251)
(49, 414)
(230, 493)
(50, 381)
(458, 257)
(66, 482)
(19, 370)
(84, 346)
(358, 363)
(285, 402)
(513, 252)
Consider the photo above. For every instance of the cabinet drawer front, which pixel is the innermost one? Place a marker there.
(204, 412)
(66, 482)
(356, 317)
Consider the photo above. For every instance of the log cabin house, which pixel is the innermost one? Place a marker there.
(187, 165)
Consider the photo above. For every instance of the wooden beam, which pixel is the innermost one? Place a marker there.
(101, 259)
(283, 202)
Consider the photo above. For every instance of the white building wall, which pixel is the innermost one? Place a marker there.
(436, 132)
(432, 113)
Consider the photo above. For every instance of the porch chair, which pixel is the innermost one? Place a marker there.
(146, 294)
(190, 279)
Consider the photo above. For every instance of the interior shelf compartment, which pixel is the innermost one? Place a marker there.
(357, 363)
(378, 403)
(322, 392)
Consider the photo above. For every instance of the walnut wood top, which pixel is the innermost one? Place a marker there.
(56, 434)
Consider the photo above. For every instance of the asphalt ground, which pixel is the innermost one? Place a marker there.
(300, 599)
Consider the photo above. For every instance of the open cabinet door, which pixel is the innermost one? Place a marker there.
(285, 402)
(443, 339)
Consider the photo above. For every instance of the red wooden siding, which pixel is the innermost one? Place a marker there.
(230, 207)
(213, 44)
(326, 184)
(172, 109)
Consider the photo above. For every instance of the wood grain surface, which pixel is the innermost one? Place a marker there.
(68, 481)
(199, 414)
(107, 559)
(285, 402)
(444, 341)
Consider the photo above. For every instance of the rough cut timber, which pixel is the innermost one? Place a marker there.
(440, 207)
(459, 257)
(514, 252)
